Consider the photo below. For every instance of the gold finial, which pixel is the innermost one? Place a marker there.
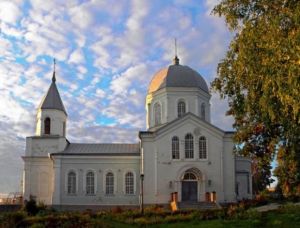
(176, 59)
(54, 64)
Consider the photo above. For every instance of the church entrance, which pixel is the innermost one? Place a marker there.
(189, 188)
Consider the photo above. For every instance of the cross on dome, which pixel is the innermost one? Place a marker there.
(53, 77)
(176, 59)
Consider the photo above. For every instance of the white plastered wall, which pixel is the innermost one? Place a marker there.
(229, 169)
(38, 167)
(57, 117)
(101, 165)
(169, 97)
(162, 174)
(243, 178)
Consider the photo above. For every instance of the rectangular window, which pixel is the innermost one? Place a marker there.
(71, 183)
(189, 146)
(109, 188)
(90, 184)
(202, 148)
(129, 183)
(175, 147)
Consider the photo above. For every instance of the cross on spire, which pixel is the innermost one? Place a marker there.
(54, 64)
(176, 59)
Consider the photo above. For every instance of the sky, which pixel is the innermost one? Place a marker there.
(106, 54)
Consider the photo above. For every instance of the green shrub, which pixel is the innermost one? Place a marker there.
(250, 214)
(37, 225)
(234, 211)
(31, 207)
(12, 219)
(141, 221)
(172, 218)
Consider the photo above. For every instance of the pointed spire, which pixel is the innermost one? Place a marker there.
(53, 77)
(52, 99)
(176, 59)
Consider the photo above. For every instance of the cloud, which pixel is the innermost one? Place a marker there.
(9, 12)
(77, 57)
(132, 42)
(81, 16)
(210, 4)
(103, 134)
(218, 113)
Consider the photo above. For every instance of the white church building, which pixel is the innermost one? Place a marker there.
(180, 153)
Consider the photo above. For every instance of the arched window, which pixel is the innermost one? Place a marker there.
(189, 146)
(203, 111)
(189, 176)
(90, 183)
(202, 148)
(71, 182)
(109, 185)
(180, 108)
(157, 114)
(175, 147)
(47, 124)
(129, 183)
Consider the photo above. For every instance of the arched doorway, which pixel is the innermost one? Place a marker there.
(190, 185)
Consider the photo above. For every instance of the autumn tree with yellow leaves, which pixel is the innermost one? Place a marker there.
(260, 76)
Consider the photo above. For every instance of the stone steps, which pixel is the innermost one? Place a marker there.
(198, 205)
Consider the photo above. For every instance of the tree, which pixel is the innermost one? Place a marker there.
(260, 76)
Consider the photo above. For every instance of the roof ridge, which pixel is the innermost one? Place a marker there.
(105, 143)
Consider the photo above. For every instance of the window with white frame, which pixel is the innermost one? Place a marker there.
(71, 187)
(109, 184)
(202, 148)
(180, 108)
(203, 111)
(129, 183)
(175, 147)
(189, 146)
(90, 183)
(157, 114)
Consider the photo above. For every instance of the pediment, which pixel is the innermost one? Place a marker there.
(196, 124)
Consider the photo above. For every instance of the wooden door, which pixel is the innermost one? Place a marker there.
(189, 191)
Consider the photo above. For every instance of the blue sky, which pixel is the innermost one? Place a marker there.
(107, 53)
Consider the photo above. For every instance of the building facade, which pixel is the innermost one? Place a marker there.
(180, 152)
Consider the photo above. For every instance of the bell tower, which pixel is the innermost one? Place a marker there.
(51, 115)
(50, 137)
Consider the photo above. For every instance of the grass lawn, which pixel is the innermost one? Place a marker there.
(285, 216)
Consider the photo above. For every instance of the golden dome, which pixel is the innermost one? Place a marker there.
(177, 76)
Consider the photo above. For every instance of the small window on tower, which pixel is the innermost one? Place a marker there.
(47, 124)
(64, 129)
(157, 114)
(180, 108)
(203, 111)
